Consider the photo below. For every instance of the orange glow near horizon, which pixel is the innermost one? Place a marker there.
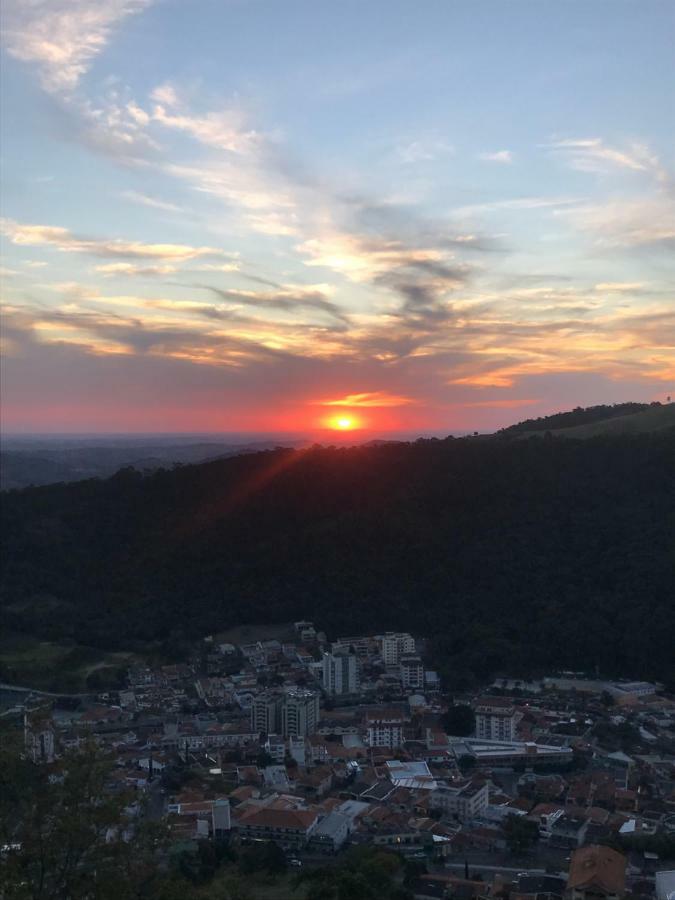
(343, 423)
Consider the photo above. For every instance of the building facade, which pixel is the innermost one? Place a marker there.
(340, 673)
(385, 731)
(299, 713)
(495, 719)
(266, 713)
(412, 672)
(394, 645)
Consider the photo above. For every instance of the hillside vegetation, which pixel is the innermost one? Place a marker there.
(510, 555)
(621, 418)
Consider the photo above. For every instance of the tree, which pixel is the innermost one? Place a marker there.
(520, 833)
(466, 762)
(459, 720)
(263, 759)
(74, 839)
(264, 856)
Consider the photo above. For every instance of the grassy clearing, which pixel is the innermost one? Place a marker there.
(57, 667)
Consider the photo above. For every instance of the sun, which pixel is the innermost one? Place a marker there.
(345, 421)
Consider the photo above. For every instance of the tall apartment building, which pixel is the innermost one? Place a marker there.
(385, 729)
(395, 645)
(38, 728)
(266, 713)
(496, 719)
(412, 672)
(340, 672)
(299, 713)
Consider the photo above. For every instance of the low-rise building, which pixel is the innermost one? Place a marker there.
(463, 802)
(290, 828)
(596, 873)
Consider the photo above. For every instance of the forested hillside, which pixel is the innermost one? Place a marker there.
(589, 415)
(513, 556)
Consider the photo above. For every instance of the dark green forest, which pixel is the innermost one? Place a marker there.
(517, 556)
(573, 417)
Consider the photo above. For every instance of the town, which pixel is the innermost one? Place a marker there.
(563, 786)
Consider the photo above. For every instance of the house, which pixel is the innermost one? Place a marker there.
(596, 873)
(463, 801)
(290, 828)
(568, 832)
(537, 887)
(331, 833)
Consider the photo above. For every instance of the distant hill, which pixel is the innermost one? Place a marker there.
(24, 462)
(510, 555)
(621, 418)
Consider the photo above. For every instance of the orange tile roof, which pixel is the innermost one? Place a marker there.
(599, 867)
(298, 819)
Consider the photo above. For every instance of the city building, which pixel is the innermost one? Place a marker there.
(596, 873)
(665, 885)
(495, 719)
(463, 802)
(412, 672)
(299, 713)
(39, 735)
(362, 646)
(394, 645)
(506, 754)
(266, 713)
(340, 672)
(290, 828)
(385, 729)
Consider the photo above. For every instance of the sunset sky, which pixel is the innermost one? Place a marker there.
(236, 215)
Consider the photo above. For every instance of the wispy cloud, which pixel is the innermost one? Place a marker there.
(498, 156)
(595, 156)
(423, 150)
(62, 37)
(67, 242)
(368, 400)
(223, 130)
(152, 202)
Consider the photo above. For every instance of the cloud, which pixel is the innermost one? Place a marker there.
(595, 156)
(62, 37)
(285, 298)
(365, 257)
(152, 202)
(620, 286)
(368, 399)
(129, 269)
(640, 222)
(518, 203)
(66, 242)
(499, 156)
(423, 150)
(223, 130)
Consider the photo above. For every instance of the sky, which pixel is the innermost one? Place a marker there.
(410, 215)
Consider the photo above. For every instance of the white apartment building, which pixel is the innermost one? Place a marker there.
(39, 735)
(394, 645)
(463, 802)
(412, 672)
(496, 719)
(362, 646)
(299, 713)
(385, 730)
(340, 673)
